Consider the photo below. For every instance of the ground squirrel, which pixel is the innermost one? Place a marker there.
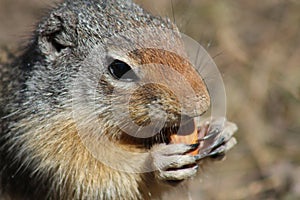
(46, 94)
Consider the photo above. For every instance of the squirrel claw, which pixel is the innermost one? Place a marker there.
(216, 145)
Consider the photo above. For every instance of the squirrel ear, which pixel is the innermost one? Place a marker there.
(57, 32)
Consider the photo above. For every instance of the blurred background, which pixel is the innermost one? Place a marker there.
(256, 45)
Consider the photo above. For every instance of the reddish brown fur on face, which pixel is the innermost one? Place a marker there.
(172, 63)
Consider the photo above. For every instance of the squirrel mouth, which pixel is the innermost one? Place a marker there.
(181, 131)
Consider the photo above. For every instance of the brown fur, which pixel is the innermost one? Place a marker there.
(53, 147)
(172, 61)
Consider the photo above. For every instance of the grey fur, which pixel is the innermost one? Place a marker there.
(36, 87)
(37, 93)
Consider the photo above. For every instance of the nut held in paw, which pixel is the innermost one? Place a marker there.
(187, 134)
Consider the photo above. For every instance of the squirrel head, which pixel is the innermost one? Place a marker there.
(130, 67)
(94, 69)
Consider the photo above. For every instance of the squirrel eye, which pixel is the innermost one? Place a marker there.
(122, 71)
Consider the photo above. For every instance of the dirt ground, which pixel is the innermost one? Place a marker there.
(256, 45)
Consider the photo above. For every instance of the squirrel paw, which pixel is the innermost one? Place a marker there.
(217, 142)
(172, 163)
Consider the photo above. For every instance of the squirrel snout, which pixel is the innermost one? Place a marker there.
(155, 101)
(175, 79)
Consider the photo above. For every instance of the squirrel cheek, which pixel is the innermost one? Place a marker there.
(153, 101)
